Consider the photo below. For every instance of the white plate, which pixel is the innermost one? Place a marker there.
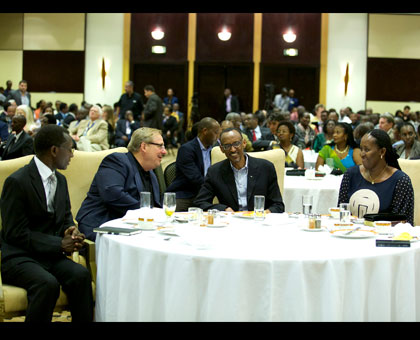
(355, 234)
(241, 215)
(314, 229)
(168, 231)
(219, 225)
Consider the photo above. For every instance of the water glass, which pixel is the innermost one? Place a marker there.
(344, 212)
(330, 162)
(259, 204)
(307, 201)
(145, 200)
(195, 216)
(169, 204)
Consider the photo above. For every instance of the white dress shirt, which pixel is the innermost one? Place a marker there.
(45, 172)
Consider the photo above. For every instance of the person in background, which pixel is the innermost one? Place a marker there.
(26, 111)
(325, 137)
(8, 88)
(231, 102)
(386, 123)
(8, 113)
(170, 98)
(236, 120)
(170, 126)
(125, 128)
(153, 110)
(304, 132)
(282, 100)
(19, 143)
(21, 96)
(267, 140)
(80, 115)
(410, 148)
(71, 115)
(253, 130)
(130, 100)
(108, 116)
(40, 106)
(377, 185)
(343, 150)
(294, 156)
(361, 130)
(192, 162)
(293, 101)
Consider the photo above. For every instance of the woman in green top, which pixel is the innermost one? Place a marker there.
(343, 150)
(325, 137)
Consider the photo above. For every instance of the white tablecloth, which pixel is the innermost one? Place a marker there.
(254, 272)
(324, 191)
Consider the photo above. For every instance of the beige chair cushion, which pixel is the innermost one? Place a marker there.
(412, 169)
(276, 156)
(80, 172)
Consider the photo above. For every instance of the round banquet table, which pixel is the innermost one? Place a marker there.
(324, 190)
(247, 271)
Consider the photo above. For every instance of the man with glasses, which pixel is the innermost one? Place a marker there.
(39, 232)
(192, 161)
(236, 180)
(119, 180)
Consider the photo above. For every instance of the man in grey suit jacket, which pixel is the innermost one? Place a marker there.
(21, 96)
(153, 110)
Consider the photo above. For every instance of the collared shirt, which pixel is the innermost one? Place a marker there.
(241, 181)
(18, 135)
(25, 99)
(44, 172)
(257, 132)
(206, 156)
(228, 107)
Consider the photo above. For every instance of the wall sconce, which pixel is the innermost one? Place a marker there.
(224, 34)
(103, 73)
(289, 36)
(157, 33)
(346, 79)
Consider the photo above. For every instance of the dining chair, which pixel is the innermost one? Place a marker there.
(276, 156)
(169, 173)
(412, 168)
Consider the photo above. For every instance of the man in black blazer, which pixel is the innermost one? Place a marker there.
(119, 180)
(236, 180)
(153, 110)
(253, 131)
(21, 95)
(231, 103)
(192, 161)
(19, 143)
(38, 232)
(125, 128)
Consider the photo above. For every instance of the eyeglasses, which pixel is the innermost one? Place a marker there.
(227, 147)
(161, 146)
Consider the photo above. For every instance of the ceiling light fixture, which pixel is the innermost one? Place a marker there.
(289, 36)
(157, 33)
(224, 34)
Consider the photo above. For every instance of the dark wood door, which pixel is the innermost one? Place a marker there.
(162, 77)
(211, 81)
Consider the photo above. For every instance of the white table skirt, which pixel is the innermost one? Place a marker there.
(324, 190)
(255, 272)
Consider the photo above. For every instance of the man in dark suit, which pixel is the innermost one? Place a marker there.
(38, 232)
(130, 101)
(125, 128)
(19, 143)
(153, 110)
(192, 161)
(253, 131)
(268, 139)
(120, 178)
(231, 103)
(236, 180)
(21, 95)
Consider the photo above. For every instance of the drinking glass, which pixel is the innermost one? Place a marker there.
(195, 215)
(145, 201)
(169, 204)
(307, 201)
(259, 204)
(344, 212)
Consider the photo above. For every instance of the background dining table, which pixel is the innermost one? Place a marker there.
(246, 270)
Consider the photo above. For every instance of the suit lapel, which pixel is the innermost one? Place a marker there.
(200, 155)
(37, 184)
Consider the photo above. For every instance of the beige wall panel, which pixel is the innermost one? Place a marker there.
(54, 31)
(68, 98)
(11, 67)
(394, 36)
(11, 28)
(391, 107)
